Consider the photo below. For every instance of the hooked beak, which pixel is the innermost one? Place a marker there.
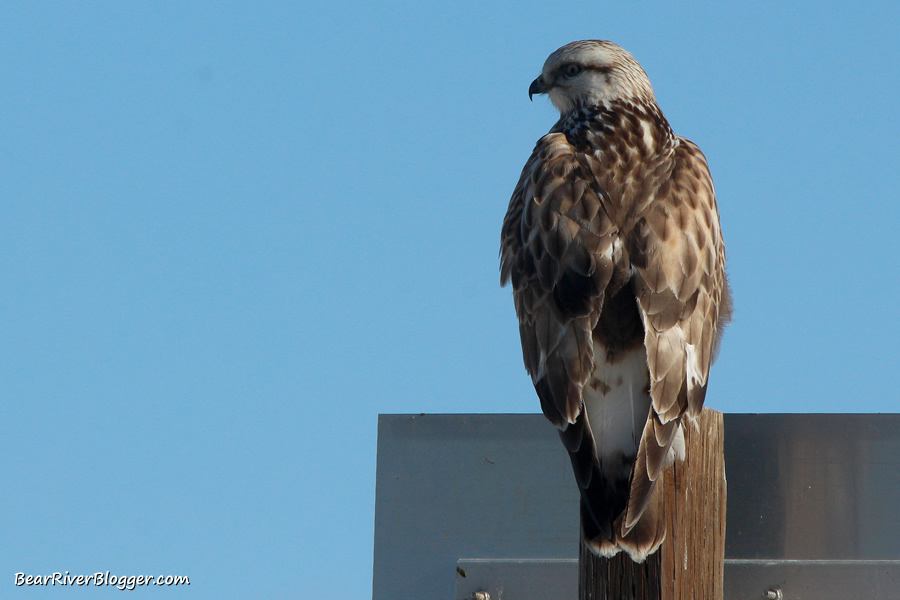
(538, 87)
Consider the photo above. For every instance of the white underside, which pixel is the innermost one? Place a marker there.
(617, 409)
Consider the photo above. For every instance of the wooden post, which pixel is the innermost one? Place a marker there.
(690, 565)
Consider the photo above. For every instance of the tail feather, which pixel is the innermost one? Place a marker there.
(629, 446)
(601, 500)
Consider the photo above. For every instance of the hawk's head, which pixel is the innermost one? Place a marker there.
(590, 72)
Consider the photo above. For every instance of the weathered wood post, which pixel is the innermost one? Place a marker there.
(690, 565)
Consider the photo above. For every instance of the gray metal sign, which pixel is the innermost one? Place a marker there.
(486, 503)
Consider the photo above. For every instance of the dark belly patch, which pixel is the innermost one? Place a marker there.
(619, 328)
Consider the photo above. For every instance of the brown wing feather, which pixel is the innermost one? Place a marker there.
(679, 258)
(556, 248)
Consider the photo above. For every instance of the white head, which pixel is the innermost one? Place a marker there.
(590, 72)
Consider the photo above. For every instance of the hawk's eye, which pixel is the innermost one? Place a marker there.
(571, 70)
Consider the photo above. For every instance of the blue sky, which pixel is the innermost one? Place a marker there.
(234, 233)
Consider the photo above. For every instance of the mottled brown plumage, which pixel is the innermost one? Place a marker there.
(613, 246)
